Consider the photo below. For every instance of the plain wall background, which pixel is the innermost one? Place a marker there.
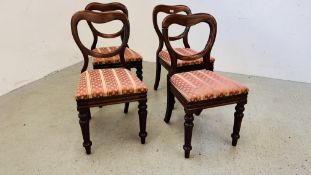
(260, 37)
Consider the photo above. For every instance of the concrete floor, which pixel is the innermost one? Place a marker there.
(40, 133)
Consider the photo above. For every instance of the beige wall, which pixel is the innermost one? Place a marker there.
(265, 38)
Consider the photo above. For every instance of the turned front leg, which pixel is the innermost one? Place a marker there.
(238, 116)
(188, 133)
(142, 112)
(84, 115)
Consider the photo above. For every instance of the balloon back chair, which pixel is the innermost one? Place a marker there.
(163, 57)
(200, 89)
(101, 87)
(132, 58)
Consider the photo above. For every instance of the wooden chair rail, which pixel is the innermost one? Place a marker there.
(104, 101)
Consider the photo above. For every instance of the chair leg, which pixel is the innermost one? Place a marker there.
(139, 71)
(158, 75)
(142, 112)
(169, 104)
(126, 107)
(84, 115)
(188, 133)
(238, 116)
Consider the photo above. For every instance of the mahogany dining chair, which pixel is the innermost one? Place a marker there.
(101, 87)
(163, 56)
(201, 88)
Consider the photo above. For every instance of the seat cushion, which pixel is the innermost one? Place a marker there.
(204, 85)
(129, 56)
(165, 56)
(108, 82)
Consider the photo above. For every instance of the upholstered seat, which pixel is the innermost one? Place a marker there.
(129, 56)
(108, 82)
(202, 85)
(165, 56)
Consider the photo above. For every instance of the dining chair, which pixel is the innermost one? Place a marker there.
(101, 87)
(200, 89)
(132, 58)
(163, 56)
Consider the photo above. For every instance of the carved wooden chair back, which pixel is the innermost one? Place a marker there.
(189, 21)
(100, 18)
(170, 9)
(109, 7)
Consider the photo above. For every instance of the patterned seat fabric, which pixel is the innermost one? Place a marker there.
(204, 85)
(108, 82)
(165, 56)
(129, 56)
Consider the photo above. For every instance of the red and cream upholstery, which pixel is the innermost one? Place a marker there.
(129, 56)
(204, 85)
(108, 82)
(165, 56)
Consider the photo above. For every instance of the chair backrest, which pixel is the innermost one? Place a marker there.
(170, 9)
(189, 21)
(114, 6)
(100, 18)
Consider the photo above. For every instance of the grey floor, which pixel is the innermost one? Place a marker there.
(40, 134)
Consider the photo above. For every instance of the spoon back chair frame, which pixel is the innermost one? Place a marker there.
(84, 104)
(196, 106)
